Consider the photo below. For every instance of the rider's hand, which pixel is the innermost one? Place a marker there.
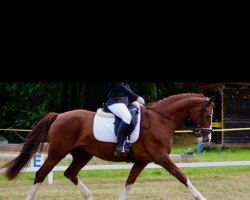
(141, 100)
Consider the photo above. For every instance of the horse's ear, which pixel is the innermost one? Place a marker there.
(211, 99)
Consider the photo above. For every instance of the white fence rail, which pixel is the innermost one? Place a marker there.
(149, 166)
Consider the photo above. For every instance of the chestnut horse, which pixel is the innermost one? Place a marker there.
(72, 132)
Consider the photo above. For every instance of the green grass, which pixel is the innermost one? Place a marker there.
(217, 183)
(231, 154)
(213, 182)
(216, 155)
(178, 149)
(159, 173)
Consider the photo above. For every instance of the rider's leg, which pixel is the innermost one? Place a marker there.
(121, 110)
(122, 133)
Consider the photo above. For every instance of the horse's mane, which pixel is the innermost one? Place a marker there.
(177, 97)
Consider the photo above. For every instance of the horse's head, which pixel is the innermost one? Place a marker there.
(201, 119)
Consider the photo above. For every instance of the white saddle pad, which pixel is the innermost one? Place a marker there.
(104, 128)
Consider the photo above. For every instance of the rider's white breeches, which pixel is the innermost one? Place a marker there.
(121, 110)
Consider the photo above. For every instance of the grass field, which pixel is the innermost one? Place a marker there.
(222, 183)
(229, 183)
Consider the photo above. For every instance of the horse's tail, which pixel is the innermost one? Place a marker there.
(31, 145)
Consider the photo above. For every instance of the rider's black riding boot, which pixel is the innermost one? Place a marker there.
(122, 133)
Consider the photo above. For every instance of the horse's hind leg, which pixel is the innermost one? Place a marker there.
(41, 174)
(80, 159)
(55, 155)
(134, 172)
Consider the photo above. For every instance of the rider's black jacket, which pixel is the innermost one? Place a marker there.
(121, 93)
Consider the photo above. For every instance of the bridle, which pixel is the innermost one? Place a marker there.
(198, 130)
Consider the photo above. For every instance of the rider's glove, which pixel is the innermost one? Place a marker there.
(141, 100)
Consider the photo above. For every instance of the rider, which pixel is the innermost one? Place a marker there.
(120, 95)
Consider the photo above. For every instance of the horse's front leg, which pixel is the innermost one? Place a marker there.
(134, 172)
(166, 162)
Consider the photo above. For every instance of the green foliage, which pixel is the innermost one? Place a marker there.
(148, 90)
(22, 105)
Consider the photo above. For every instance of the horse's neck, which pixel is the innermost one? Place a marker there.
(184, 106)
(177, 110)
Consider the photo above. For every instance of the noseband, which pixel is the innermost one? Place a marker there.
(199, 128)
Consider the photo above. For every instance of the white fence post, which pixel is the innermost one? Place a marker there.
(37, 161)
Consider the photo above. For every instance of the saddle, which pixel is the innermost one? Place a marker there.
(134, 110)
